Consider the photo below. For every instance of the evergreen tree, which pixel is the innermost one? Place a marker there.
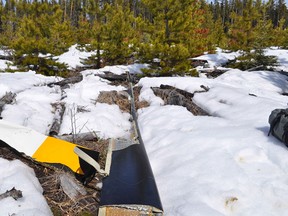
(176, 35)
(118, 34)
(33, 38)
(241, 32)
(90, 30)
(9, 22)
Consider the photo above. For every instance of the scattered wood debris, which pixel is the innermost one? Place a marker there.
(15, 194)
(174, 96)
(59, 109)
(212, 72)
(139, 104)
(198, 62)
(70, 80)
(8, 98)
(180, 91)
(54, 192)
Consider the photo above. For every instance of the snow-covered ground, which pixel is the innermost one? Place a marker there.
(17, 174)
(220, 165)
(224, 164)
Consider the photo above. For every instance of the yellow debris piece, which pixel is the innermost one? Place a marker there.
(58, 151)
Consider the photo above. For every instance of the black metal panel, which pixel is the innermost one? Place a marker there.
(131, 180)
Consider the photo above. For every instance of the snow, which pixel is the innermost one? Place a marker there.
(73, 57)
(17, 174)
(219, 58)
(282, 56)
(4, 64)
(222, 164)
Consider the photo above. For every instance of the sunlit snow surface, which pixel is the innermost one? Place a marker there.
(17, 174)
(222, 164)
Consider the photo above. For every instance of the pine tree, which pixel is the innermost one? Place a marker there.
(119, 35)
(176, 34)
(33, 37)
(90, 30)
(279, 35)
(241, 32)
(61, 34)
(251, 29)
(9, 22)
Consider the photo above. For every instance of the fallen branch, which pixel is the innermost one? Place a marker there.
(180, 91)
(70, 187)
(117, 78)
(69, 80)
(8, 98)
(206, 88)
(172, 97)
(255, 68)
(113, 77)
(89, 136)
(15, 194)
(59, 111)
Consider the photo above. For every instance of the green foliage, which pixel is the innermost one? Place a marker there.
(241, 32)
(122, 31)
(175, 34)
(254, 59)
(44, 65)
(40, 30)
(168, 60)
(118, 35)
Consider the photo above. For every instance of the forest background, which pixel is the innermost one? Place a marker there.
(165, 33)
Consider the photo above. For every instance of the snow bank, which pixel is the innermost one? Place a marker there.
(32, 107)
(219, 58)
(17, 174)
(73, 57)
(282, 57)
(224, 164)
(105, 120)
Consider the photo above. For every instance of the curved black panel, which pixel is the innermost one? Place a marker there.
(131, 180)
